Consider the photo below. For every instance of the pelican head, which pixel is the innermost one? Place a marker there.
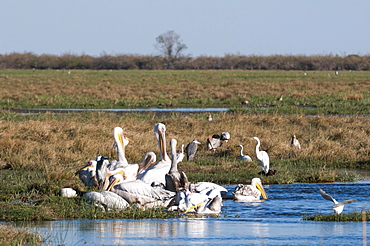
(256, 182)
(159, 132)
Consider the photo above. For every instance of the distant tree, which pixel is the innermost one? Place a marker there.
(171, 47)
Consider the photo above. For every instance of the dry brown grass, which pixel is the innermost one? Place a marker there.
(11, 236)
(60, 145)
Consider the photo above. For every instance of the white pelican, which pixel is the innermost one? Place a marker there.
(200, 203)
(262, 156)
(250, 193)
(242, 156)
(156, 174)
(191, 149)
(67, 192)
(105, 200)
(149, 159)
(338, 206)
(175, 181)
(217, 140)
(120, 141)
(139, 192)
(201, 186)
(294, 142)
(87, 174)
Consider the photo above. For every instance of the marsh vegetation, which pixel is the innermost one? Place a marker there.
(39, 154)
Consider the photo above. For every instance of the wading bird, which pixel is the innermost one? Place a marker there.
(294, 142)
(191, 149)
(250, 193)
(242, 156)
(105, 200)
(338, 206)
(262, 156)
(156, 174)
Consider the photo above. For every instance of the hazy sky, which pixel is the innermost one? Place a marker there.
(212, 28)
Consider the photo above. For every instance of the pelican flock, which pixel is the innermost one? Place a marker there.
(117, 184)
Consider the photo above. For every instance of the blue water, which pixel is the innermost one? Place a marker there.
(276, 221)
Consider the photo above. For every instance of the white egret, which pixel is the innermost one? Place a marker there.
(338, 206)
(242, 156)
(250, 193)
(262, 156)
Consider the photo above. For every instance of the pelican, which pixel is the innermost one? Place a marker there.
(157, 172)
(262, 156)
(191, 149)
(242, 156)
(87, 174)
(201, 186)
(149, 159)
(217, 140)
(200, 203)
(120, 141)
(137, 191)
(105, 200)
(67, 192)
(338, 206)
(294, 142)
(175, 181)
(250, 193)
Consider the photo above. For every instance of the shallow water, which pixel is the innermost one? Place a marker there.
(276, 221)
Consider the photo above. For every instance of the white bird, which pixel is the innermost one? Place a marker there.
(216, 140)
(200, 203)
(156, 174)
(262, 156)
(120, 142)
(105, 200)
(295, 143)
(338, 206)
(180, 154)
(201, 186)
(191, 149)
(149, 159)
(242, 156)
(67, 192)
(250, 193)
(174, 180)
(139, 192)
(209, 117)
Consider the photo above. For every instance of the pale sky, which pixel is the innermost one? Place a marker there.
(211, 28)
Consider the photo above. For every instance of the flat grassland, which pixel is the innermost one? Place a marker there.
(40, 153)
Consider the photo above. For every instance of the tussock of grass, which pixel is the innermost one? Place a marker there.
(11, 236)
(355, 216)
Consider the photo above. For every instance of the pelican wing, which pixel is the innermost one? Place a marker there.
(138, 187)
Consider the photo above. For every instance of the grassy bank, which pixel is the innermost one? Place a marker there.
(39, 154)
(304, 92)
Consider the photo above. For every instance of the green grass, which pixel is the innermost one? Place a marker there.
(355, 216)
(314, 93)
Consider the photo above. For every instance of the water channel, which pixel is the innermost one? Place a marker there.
(276, 221)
